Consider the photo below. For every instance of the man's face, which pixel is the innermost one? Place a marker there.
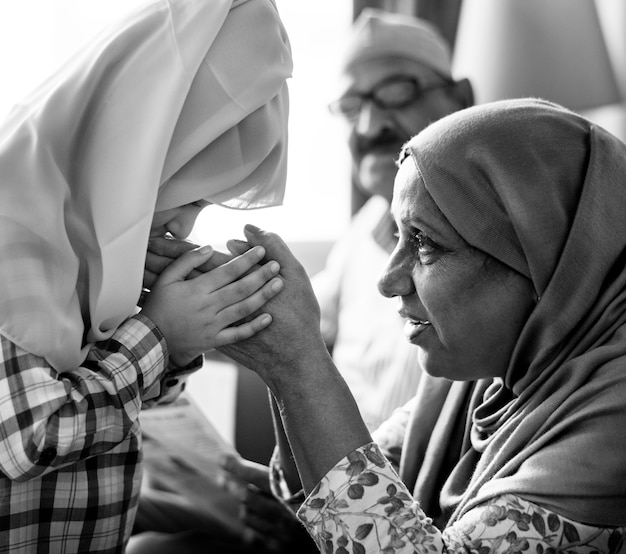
(377, 134)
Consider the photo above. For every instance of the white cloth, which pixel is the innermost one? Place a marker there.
(181, 100)
(369, 347)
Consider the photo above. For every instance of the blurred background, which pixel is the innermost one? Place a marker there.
(569, 51)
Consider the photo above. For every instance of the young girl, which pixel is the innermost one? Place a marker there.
(181, 104)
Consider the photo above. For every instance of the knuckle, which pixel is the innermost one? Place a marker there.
(267, 293)
(236, 334)
(242, 309)
(234, 269)
(269, 270)
(240, 289)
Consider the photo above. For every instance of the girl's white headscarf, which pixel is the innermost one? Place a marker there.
(182, 100)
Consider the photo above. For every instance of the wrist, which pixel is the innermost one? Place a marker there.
(182, 360)
(301, 373)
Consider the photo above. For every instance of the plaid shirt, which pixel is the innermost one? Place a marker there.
(70, 452)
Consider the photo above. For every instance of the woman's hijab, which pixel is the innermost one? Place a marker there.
(543, 190)
(180, 101)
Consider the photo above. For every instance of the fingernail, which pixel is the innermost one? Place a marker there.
(206, 249)
(252, 228)
(277, 284)
(260, 251)
(274, 267)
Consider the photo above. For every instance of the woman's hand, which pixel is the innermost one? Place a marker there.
(274, 525)
(294, 336)
(291, 357)
(195, 314)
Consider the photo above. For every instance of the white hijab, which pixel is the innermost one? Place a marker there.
(182, 100)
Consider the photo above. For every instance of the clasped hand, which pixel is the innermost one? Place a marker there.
(292, 345)
(293, 342)
(201, 299)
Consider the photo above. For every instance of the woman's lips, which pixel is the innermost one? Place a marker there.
(413, 328)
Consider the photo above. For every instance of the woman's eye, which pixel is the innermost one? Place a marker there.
(426, 248)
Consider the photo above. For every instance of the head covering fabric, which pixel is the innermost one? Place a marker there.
(543, 190)
(380, 34)
(181, 100)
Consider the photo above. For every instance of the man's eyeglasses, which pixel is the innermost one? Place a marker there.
(392, 94)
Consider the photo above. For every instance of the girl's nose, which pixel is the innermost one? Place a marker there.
(180, 227)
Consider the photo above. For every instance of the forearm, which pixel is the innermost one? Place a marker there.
(285, 456)
(320, 418)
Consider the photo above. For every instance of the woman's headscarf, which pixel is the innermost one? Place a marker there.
(543, 190)
(180, 101)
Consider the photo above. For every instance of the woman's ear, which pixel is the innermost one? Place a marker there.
(464, 93)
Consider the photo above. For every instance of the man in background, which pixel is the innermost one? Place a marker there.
(396, 79)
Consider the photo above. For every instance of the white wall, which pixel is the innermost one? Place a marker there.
(317, 202)
(613, 20)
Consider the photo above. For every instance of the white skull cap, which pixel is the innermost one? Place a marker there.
(380, 34)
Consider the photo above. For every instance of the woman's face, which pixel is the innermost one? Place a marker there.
(178, 222)
(463, 308)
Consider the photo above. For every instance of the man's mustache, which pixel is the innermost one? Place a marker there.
(383, 141)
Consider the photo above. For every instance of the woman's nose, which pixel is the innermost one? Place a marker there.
(395, 280)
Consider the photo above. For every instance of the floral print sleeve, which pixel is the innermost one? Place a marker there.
(362, 506)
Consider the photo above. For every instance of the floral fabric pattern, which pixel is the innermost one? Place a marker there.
(362, 506)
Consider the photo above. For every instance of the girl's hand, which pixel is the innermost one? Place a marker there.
(195, 314)
(163, 251)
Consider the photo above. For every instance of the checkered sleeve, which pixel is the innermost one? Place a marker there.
(51, 419)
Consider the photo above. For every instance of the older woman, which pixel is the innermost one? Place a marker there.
(509, 270)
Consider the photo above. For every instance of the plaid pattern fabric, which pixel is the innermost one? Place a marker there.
(70, 452)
